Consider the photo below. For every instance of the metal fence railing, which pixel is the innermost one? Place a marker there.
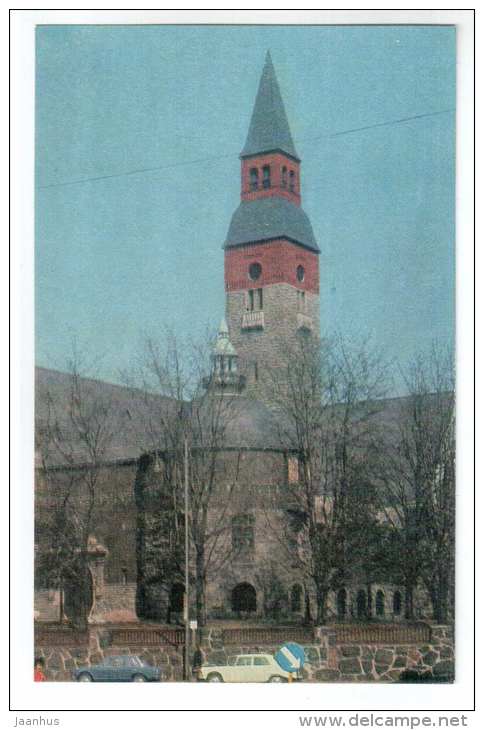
(268, 635)
(60, 636)
(146, 636)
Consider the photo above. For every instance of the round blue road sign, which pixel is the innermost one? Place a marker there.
(290, 657)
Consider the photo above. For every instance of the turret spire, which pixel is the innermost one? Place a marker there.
(269, 128)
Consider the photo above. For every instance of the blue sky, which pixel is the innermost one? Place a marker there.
(120, 257)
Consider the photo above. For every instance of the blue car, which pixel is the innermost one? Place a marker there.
(124, 668)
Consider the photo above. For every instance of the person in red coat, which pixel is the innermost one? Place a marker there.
(39, 665)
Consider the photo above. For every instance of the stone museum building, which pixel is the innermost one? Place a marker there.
(133, 483)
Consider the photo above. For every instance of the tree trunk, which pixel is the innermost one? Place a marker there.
(369, 601)
(308, 619)
(200, 586)
(439, 597)
(409, 609)
(61, 603)
(322, 599)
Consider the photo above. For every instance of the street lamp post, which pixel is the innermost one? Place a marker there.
(187, 563)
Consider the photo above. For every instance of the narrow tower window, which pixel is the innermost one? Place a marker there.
(292, 181)
(260, 299)
(255, 270)
(266, 180)
(301, 302)
(254, 178)
(243, 533)
(284, 177)
(251, 300)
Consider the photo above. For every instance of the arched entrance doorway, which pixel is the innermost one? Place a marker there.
(244, 598)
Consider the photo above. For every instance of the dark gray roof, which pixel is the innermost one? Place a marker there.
(128, 418)
(132, 423)
(268, 218)
(269, 128)
(131, 420)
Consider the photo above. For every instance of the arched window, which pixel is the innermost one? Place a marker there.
(244, 598)
(380, 603)
(361, 604)
(292, 181)
(254, 178)
(266, 176)
(296, 598)
(397, 603)
(243, 533)
(284, 177)
(341, 603)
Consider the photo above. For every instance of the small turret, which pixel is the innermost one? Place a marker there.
(224, 376)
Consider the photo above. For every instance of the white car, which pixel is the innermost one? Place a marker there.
(246, 668)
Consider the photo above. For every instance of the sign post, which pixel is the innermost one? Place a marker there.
(291, 658)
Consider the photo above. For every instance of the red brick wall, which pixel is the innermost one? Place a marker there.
(279, 260)
(276, 161)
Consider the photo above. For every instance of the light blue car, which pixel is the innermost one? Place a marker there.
(125, 668)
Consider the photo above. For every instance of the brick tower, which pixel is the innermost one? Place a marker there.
(271, 255)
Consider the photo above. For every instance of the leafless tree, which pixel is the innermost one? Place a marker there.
(420, 479)
(73, 442)
(190, 410)
(328, 398)
(273, 591)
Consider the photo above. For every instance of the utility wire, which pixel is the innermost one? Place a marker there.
(229, 156)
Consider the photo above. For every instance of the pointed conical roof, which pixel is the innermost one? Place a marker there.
(269, 128)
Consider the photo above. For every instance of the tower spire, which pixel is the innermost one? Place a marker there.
(269, 128)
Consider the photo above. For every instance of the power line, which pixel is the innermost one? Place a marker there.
(387, 124)
(212, 158)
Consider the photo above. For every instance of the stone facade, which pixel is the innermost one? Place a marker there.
(261, 349)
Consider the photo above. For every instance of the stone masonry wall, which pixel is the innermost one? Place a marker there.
(64, 651)
(266, 347)
(329, 662)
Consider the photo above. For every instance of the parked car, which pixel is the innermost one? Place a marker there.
(119, 669)
(245, 668)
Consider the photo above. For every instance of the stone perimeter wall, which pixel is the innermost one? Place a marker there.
(332, 662)
(63, 657)
(328, 661)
